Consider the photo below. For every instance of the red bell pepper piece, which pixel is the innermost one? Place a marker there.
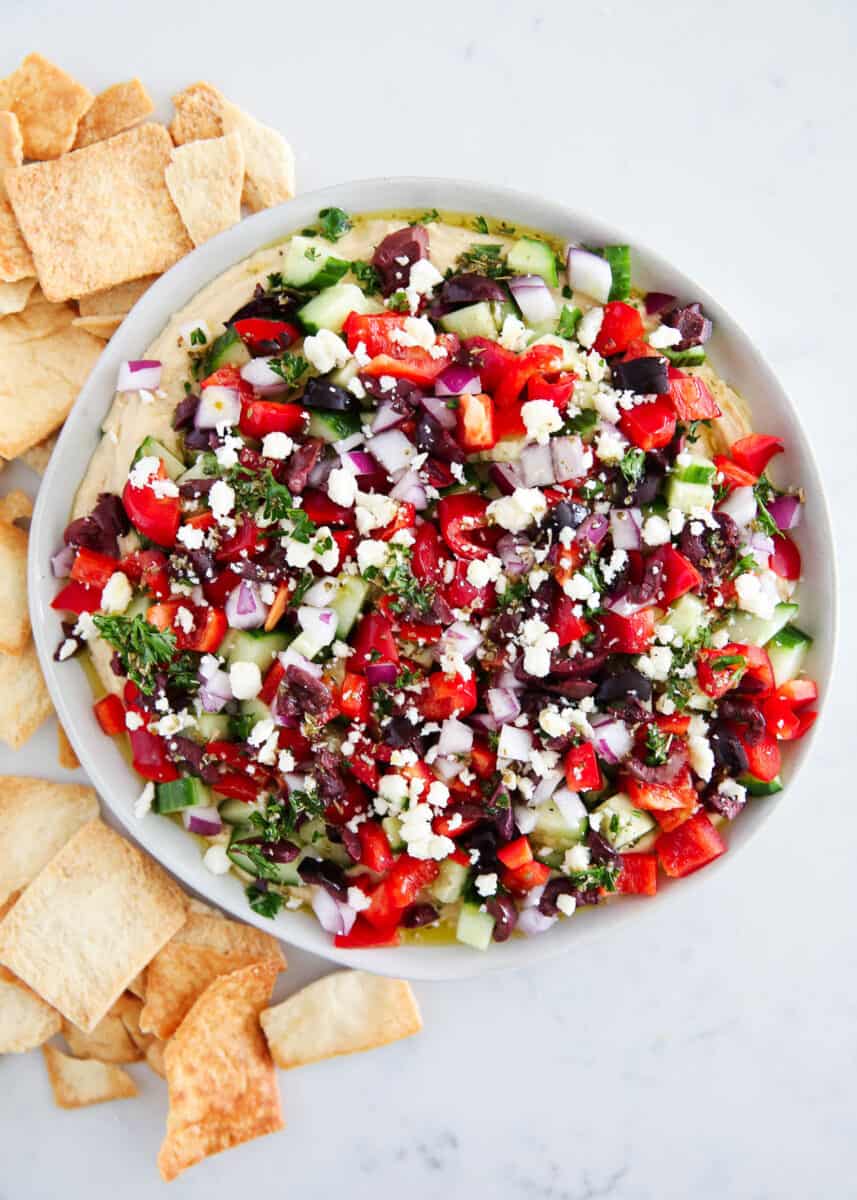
(375, 852)
(354, 700)
(627, 635)
(374, 641)
(781, 719)
(447, 694)
(516, 854)
(677, 723)
(93, 569)
(428, 557)
(559, 390)
(691, 398)
(77, 598)
(346, 541)
(763, 758)
(148, 569)
(273, 678)
(785, 560)
(582, 773)
(524, 878)
(150, 758)
(236, 786)
(733, 475)
(322, 511)
(537, 360)
(156, 517)
(638, 874)
(110, 714)
(663, 797)
(799, 692)
(564, 622)
(363, 765)
(621, 324)
(263, 336)
(755, 451)
(483, 760)
(464, 525)
(363, 936)
(718, 671)
(650, 425)
(405, 518)
(677, 576)
(260, 417)
(475, 421)
(460, 592)
(693, 845)
(228, 377)
(390, 357)
(209, 630)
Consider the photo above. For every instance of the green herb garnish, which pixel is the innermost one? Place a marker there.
(399, 302)
(366, 276)
(480, 225)
(657, 746)
(334, 223)
(484, 259)
(728, 660)
(569, 319)
(289, 367)
(266, 904)
(633, 465)
(431, 214)
(143, 649)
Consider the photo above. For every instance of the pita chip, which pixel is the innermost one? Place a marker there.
(16, 262)
(14, 296)
(25, 1020)
(205, 181)
(78, 1082)
(65, 751)
(24, 700)
(14, 614)
(113, 111)
(115, 301)
(48, 104)
(109, 1041)
(37, 818)
(38, 456)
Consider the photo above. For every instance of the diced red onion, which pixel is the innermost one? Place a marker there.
(537, 467)
(333, 916)
(215, 692)
(461, 638)
(508, 679)
(546, 787)
(570, 805)
(142, 373)
(411, 489)
(589, 273)
(526, 819)
(531, 922)
(245, 608)
(320, 473)
(658, 302)
(786, 511)
(296, 782)
(622, 605)
(291, 658)
(456, 381)
(347, 444)
(62, 561)
(762, 547)
(393, 450)
(455, 738)
(440, 410)
(533, 298)
(381, 672)
(625, 528)
(262, 378)
(447, 768)
(503, 704)
(321, 593)
(612, 740)
(360, 463)
(319, 624)
(533, 897)
(483, 721)
(593, 531)
(571, 459)
(204, 820)
(387, 417)
(515, 743)
(218, 406)
(740, 505)
(506, 476)
(517, 554)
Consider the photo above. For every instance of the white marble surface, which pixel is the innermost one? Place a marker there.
(712, 1053)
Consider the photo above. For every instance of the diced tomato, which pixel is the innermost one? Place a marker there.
(651, 425)
(662, 797)
(374, 641)
(717, 673)
(408, 877)
(799, 692)
(261, 417)
(693, 845)
(475, 420)
(363, 936)
(77, 598)
(217, 590)
(150, 758)
(558, 390)
(516, 854)
(780, 717)
(524, 878)
(405, 518)
(322, 510)
(568, 560)
(354, 699)
(508, 422)
(245, 541)
(678, 575)
(375, 852)
(346, 541)
(156, 517)
(228, 377)
(460, 592)
(691, 398)
(110, 714)
(582, 773)
(677, 723)
(389, 357)
(640, 349)
(447, 694)
(446, 825)
(733, 475)
(273, 678)
(620, 325)
(428, 557)
(807, 720)
(294, 740)
(564, 622)
(491, 360)
(236, 786)
(202, 520)
(638, 874)
(755, 451)
(483, 760)
(148, 569)
(424, 632)
(763, 758)
(537, 360)
(93, 569)
(785, 560)
(209, 630)
(464, 525)
(265, 336)
(627, 635)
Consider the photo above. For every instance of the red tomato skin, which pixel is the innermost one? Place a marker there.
(463, 525)
(475, 422)
(260, 417)
(627, 635)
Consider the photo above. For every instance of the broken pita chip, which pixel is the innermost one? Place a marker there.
(137, 986)
(100, 216)
(128, 1008)
(342, 1013)
(40, 318)
(100, 327)
(65, 753)
(113, 111)
(11, 142)
(205, 181)
(38, 456)
(25, 1020)
(222, 1083)
(199, 114)
(37, 818)
(24, 700)
(7, 904)
(16, 261)
(155, 1057)
(48, 103)
(203, 949)
(15, 506)
(77, 1082)
(14, 296)
(14, 614)
(97, 913)
(115, 301)
(109, 1041)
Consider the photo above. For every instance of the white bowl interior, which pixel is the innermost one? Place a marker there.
(730, 350)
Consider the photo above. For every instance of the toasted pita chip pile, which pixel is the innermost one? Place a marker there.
(89, 922)
(78, 1082)
(14, 613)
(15, 506)
(113, 111)
(205, 181)
(109, 1041)
(25, 1020)
(221, 1079)
(24, 700)
(48, 104)
(343, 1013)
(37, 818)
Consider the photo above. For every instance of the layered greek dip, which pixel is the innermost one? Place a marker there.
(436, 581)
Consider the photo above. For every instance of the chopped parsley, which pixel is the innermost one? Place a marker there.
(747, 563)
(727, 660)
(431, 214)
(582, 422)
(143, 649)
(514, 594)
(396, 577)
(657, 746)
(254, 490)
(289, 367)
(399, 302)
(334, 223)
(569, 319)
(197, 337)
(480, 225)
(633, 465)
(484, 259)
(279, 820)
(265, 903)
(764, 491)
(366, 276)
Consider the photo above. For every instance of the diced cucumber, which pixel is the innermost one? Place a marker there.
(553, 829)
(622, 824)
(343, 375)
(474, 927)
(529, 256)
(787, 651)
(761, 787)
(187, 792)
(236, 812)
(332, 426)
(450, 881)
(308, 264)
(226, 351)
(476, 320)
(253, 645)
(687, 496)
(694, 470)
(205, 466)
(687, 615)
(694, 356)
(151, 448)
(306, 646)
(139, 606)
(213, 727)
(756, 631)
(241, 726)
(285, 873)
(329, 309)
(312, 831)
(619, 258)
(348, 602)
(392, 826)
(256, 709)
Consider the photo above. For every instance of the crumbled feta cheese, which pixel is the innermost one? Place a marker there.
(590, 326)
(482, 571)
(701, 756)
(245, 679)
(719, 638)
(566, 904)
(538, 641)
(374, 511)
(371, 555)
(417, 834)
(277, 445)
(438, 794)
(356, 388)
(67, 649)
(553, 722)
(614, 565)
(579, 587)
(299, 554)
(357, 899)
(184, 619)
(610, 446)
(576, 859)
(657, 663)
(664, 704)
(143, 470)
(514, 335)
(190, 537)
(676, 519)
(342, 487)
(486, 885)
(227, 452)
(117, 593)
(325, 350)
(541, 418)
(260, 732)
(757, 594)
(216, 860)
(423, 280)
(606, 404)
(518, 511)
(733, 790)
(187, 331)
(133, 720)
(663, 336)
(656, 531)
(392, 791)
(417, 331)
(85, 627)
(144, 801)
(221, 498)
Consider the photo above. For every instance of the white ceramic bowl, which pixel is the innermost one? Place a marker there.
(731, 351)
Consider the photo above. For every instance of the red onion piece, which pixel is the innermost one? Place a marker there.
(410, 488)
(360, 463)
(740, 505)
(570, 805)
(506, 476)
(262, 378)
(204, 820)
(291, 658)
(537, 467)
(508, 679)
(571, 458)
(333, 916)
(515, 743)
(447, 768)
(142, 373)
(589, 273)
(762, 546)
(218, 406)
(483, 721)
(612, 740)
(244, 607)
(533, 298)
(531, 922)
(456, 381)
(439, 409)
(503, 704)
(461, 638)
(393, 450)
(786, 511)
(387, 417)
(546, 787)
(216, 691)
(381, 672)
(658, 302)
(625, 527)
(62, 561)
(455, 738)
(593, 530)
(517, 554)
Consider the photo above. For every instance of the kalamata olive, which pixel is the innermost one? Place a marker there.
(410, 244)
(645, 376)
(327, 397)
(103, 527)
(623, 683)
(185, 412)
(324, 873)
(418, 915)
(502, 909)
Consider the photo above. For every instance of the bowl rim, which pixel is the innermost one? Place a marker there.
(112, 776)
